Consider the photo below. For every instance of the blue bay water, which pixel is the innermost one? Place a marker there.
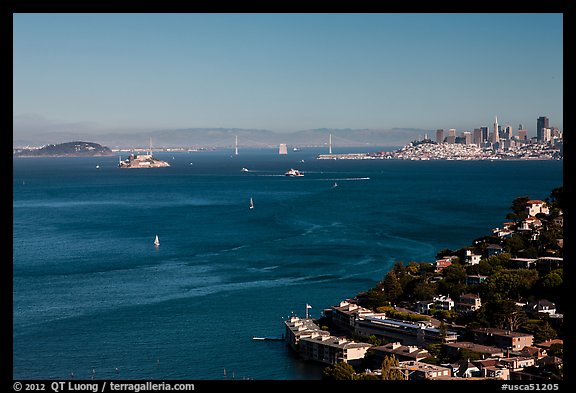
(92, 296)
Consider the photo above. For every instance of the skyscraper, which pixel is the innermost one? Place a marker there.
(485, 133)
(439, 135)
(478, 137)
(541, 123)
(495, 136)
(522, 135)
(508, 132)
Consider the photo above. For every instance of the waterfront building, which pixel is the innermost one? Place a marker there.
(440, 135)
(414, 370)
(332, 350)
(345, 314)
(299, 328)
(407, 333)
(541, 123)
(505, 339)
(468, 302)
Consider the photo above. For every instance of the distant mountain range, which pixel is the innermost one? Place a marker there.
(225, 137)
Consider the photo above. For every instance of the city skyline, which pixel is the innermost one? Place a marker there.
(129, 73)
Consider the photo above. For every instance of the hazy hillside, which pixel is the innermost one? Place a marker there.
(225, 137)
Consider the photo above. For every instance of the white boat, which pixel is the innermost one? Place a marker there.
(335, 185)
(244, 170)
(294, 173)
(251, 203)
(156, 241)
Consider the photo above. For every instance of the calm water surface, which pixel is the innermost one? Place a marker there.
(92, 293)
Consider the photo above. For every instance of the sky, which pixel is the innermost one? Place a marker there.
(283, 72)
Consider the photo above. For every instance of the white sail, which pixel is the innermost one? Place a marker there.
(251, 203)
(156, 241)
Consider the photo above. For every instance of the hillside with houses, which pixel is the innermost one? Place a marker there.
(490, 310)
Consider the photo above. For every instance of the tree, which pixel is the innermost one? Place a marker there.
(556, 199)
(373, 298)
(556, 350)
(516, 243)
(518, 209)
(504, 314)
(339, 372)
(454, 282)
(424, 290)
(509, 284)
(545, 332)
(392, 287)
(390, 371)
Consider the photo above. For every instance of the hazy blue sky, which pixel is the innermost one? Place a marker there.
(286, 72)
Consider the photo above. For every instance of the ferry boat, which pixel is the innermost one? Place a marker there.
(294, 173)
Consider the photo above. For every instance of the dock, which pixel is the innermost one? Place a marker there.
(268, 338)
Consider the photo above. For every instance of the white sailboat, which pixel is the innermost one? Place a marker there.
(156, 241)
(251, 203)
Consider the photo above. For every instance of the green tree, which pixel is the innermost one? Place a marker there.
(516, 243)
(509, 284)
(556, 350)
(372, 299)
(392, 287)
(339, 372)
(556, 198)
(454, 281)
(390, 369)
(542, 331)
(551, 286)
(504, 314)
(423, 290)
(518, 209)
